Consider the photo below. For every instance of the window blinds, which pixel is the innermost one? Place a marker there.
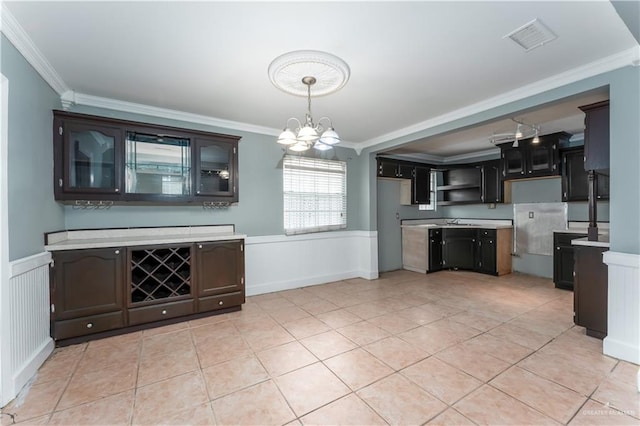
(315, 194)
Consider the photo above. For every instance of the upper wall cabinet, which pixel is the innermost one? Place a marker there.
(103, 159)
(596, 137)
(529, 160)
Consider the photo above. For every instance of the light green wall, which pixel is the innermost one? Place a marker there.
(389, 213)
(260, 207)
(625, 161)
(32, 210)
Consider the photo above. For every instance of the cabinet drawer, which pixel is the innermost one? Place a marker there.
(160, 312)
(487, 233)
(87, 325)
(221, 302)
(564, 239)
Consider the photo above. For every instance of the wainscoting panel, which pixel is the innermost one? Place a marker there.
(26, 341)
(279, 262)
(623, 314)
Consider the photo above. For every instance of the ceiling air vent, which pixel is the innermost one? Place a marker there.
(531, 35)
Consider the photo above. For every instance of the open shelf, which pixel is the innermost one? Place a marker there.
(459, 186)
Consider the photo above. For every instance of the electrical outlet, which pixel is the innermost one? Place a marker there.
(492, 205)
(530, 215)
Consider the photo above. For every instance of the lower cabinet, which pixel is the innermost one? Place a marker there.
(220, 272)
(482, 250)
(435, 250)
(563, 259)
(458, 250)
(87, 291)
(590, 290)
(88, 287)
(486, 256)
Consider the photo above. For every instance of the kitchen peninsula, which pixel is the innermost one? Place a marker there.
(473, 244)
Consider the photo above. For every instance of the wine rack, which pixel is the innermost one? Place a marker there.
(160, 273)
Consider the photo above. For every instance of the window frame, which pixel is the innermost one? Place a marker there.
(307, 184)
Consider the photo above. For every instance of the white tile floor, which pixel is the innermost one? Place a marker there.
(448, 348)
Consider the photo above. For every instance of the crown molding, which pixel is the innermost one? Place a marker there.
(135, 108)
(471, 156)
(21, 40)
(609, 63)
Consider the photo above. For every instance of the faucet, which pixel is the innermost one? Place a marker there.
(453, 221)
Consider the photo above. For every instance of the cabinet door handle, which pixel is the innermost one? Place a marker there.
(164, 312)
(557, 248)
(199, 245)
(117, 252)
(117, 189)
(90, 325)
(221, 303)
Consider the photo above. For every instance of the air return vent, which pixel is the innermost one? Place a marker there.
(531, 35)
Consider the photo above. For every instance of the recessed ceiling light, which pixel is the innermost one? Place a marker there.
(531, 35)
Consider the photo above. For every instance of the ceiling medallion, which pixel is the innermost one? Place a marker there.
(331, 73)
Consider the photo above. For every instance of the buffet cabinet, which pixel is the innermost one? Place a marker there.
(109, 289)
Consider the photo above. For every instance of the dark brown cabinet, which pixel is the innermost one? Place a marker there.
(563, 259)
(491, 174)
(530, 159)
(435, 250)
(419, 174)
(459, 248)
(590, 290)
(88, 287)
(486, 251)
(394, 168)
(87, 291)
(220, 267)
(596, 137)
(575, 179)
(216, 168)
(159, 277)
(98, 159)
(421, 185)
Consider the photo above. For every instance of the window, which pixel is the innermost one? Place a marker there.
(315, 194)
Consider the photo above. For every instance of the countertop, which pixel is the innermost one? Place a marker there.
(104, 238)
(582, 227)
(462, 226)
(603, 241)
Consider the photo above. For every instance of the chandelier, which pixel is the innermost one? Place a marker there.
(523, 131)
(295, 73)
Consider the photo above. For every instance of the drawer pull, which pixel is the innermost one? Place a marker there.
(90, 325)
(199, 245)
(117, 251)
(221, 303)
(164, 312)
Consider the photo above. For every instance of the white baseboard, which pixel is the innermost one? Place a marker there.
(30, 367)
(278, 262)
(623, 306)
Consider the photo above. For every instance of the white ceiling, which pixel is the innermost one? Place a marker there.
(410, 62)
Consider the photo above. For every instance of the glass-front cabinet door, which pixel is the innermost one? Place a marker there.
(91, 154)
(513, 161)
(542, 158)
(157, 164)
(215, 168)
